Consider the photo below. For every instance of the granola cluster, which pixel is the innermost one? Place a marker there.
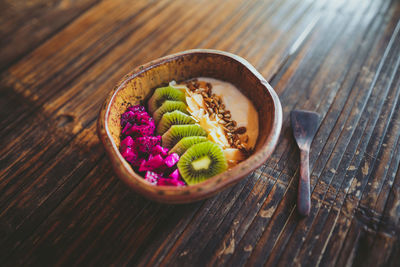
(216, 110)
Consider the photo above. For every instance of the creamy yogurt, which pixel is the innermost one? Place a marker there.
(241, 108)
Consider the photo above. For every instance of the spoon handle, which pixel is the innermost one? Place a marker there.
(303, 197)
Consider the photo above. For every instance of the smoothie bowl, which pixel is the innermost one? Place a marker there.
(186, 126)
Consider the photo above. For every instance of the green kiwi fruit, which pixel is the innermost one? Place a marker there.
(187, 142)
(162, 94)
(176, 132)
(175, 117)
(202, 161)
(169, 106)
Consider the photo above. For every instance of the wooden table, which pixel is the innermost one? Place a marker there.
(60, 202)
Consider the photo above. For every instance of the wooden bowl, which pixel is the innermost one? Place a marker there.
(138, 85)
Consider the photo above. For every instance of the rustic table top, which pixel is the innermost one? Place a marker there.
(61, 203)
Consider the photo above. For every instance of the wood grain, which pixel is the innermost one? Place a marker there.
(26, 24)
(60, 202)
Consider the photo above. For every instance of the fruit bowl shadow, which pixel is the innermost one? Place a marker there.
(138, 85)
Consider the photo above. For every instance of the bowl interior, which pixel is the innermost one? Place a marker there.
(138, 86)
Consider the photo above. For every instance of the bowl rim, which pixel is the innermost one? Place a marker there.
(209, 187)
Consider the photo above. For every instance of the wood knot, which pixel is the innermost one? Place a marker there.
(64, 119)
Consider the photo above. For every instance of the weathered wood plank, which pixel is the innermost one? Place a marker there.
(342, 221)
(22, 216)
(322, 188)
(37, 83)
(388, 228)
(249, 244)
(26, 24)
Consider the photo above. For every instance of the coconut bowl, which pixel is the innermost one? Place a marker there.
(137, 86)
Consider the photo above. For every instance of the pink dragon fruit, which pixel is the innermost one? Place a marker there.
(137, 123)
(153, 164)
(147, 143)
(140, 143)
(129, 154)
(137, 108)
(126, 128)
(163, 151)
(142, 118)
(127, 142)
(135, 118)
(138, 162)
(169, 181)
(127, 117)
(152, 177)
(171, 160)
(175, 175)
(143, 167)
(140, 130)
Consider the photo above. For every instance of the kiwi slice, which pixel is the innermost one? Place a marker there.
(187, 142)
(202, 161)
(176, 132)
(169, 106)
(175, 117)
(164, 93)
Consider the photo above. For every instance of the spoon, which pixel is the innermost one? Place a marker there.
(304, 125)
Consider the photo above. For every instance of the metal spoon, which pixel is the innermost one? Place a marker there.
(304, 125)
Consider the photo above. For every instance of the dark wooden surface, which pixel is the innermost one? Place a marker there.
(61, 204)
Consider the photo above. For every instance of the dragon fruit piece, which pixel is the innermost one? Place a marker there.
(179, 183)
(140, 130)
(127, 142)
(137, 108)
(128, 116)
(169, 181)
(159, 150)
(129, 154)
(151, 125)
(147, 143)
(143, 118)
(138, 162)
(151, 177)
(171, 160)
(154, 163)
(126, 128)
(143, 167)
(135, 116)
(148, 130)
(175, 175)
